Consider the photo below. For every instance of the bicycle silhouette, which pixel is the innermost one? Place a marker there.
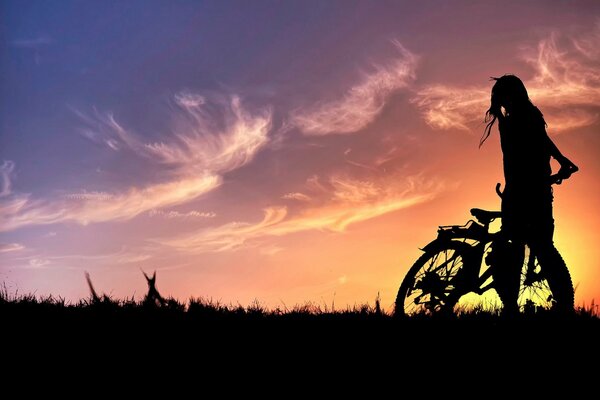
(468, 259)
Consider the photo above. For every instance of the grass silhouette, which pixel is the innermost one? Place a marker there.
(204, 309)
(239, 339)
(120, 330)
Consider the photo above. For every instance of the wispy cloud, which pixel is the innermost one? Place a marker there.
(9, 247)
(6, 170)
(362, 102)
(271, 250)
(296, 196)
(350, 202)
(180, 215)
(201, 143)
(103, 128)
(353, 191)
(126, 255)
(118, 207)
(39, 262)
(448, 107)
(217, 135)
(206, 144)
(567, 80)
(32, 43)
(565, 85)
(89, 196)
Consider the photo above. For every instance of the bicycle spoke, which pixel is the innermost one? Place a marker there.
(438, 280)
(432, 288)
(425, 270)
(534, 289)
(446, 262)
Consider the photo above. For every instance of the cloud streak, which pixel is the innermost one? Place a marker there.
(89, 196)
(451, 107)
(566, 80)
(296, 196)
(350, 202)
(206, 144)
(201, 144)
(363, 102)
(180, 215)
(10, 247)
(126, 255)
(217, 135)
(32, 43)
(6, 171)
(118, 207)
(565, 85)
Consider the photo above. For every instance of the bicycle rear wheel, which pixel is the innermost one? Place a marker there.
(431, 286)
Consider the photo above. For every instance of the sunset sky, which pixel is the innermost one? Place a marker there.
(283, 151)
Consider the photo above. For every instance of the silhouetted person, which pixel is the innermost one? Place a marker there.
(153, 298)
(527, 197)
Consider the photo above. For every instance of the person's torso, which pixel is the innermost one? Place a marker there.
(526, 155)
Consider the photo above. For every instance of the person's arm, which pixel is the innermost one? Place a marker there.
(567, 167)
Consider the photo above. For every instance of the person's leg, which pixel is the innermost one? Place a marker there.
(553, 266)
(507, 264)
(508, 255)
(556, 273)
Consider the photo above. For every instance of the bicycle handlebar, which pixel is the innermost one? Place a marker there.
(558, 178)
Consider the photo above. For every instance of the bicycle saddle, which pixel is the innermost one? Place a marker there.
(484, 216)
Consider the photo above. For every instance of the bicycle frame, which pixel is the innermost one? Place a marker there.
(478, 236)
(469, 258)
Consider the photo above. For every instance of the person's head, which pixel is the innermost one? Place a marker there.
(508, 93)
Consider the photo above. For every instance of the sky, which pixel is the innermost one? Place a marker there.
(275, 151)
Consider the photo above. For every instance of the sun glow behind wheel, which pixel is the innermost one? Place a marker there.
(534, 292)
(432, 286)
(438, 278)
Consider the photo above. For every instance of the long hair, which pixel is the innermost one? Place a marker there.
(508, 89)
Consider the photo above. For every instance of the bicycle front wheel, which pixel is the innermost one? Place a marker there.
(433, 284)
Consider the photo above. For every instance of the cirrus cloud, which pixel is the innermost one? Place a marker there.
(363, 102)
(296, 196)
(180, 215)
(6, 171)
(347, 202)
(206, 144)
(9, 247)
(565, 84)
(201, 142)
(118, 207)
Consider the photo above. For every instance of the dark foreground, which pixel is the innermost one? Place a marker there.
(117, 319)
(202, 344)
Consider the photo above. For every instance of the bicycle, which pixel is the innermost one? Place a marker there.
(458, 262)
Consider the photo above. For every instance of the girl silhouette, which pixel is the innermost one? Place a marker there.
(527, 197)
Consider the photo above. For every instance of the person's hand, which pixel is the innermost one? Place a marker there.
(566, 171)
(567, 168)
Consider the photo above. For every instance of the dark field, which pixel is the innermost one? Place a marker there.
(204, 342)
(206, 315)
